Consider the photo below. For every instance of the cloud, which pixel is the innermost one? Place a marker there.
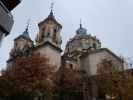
(109, 20)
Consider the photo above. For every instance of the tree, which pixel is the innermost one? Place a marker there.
(71, 83)
(113, 83)
(29, 76)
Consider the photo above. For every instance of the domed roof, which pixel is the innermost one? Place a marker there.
(82, 42)
(24, 35)
(81, 30)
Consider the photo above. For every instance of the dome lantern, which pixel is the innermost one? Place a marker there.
(81, 30)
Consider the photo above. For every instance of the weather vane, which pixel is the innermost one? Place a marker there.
(28, 23)
(52, 6)
(80, 23)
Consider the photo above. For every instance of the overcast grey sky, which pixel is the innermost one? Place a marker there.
(110, 20)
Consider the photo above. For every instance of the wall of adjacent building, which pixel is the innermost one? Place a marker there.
(6, 21)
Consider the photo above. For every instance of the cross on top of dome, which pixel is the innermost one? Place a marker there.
(26, 33)
(52, 8)
(81, 30)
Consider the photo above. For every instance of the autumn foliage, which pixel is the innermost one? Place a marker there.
(31, 76)
(113, 83)
(71, 83)
(28, 76)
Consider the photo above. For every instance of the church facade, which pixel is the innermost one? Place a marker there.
(82, 53)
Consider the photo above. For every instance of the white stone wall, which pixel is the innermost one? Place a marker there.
(90, 62)
(53, 55)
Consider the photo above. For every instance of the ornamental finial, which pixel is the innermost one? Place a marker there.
(28, 23)
(52, 8)
(26, 33)
(80, 23)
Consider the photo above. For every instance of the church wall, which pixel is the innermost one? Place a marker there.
(53, 55)
(91, 61)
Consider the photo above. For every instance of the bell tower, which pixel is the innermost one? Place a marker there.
(48, 40)
(49, 31)
(23, 45)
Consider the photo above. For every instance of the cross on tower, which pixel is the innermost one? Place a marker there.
(52, 6)
(80, 23)
(28, 23)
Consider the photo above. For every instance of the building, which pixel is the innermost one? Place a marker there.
(83, 52)
(86, 52)
(6, 18)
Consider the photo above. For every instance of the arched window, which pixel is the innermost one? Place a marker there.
(48, 34)
(55, 31)
(54, 38)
